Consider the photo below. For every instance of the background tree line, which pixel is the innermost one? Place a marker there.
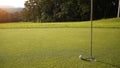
(105, 8)
(61, 10)
(9, 17)
(56, 10)
(68, 10)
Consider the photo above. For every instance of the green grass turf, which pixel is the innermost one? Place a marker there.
(111, 23)
(58, 45)
(59, 48)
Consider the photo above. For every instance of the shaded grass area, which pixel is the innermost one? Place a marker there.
(104, 23)
(58, 48)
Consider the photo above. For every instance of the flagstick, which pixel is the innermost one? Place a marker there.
(91, 35)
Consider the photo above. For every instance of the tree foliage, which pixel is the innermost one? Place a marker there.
(105, 8)
(9, 17)
(67, 10)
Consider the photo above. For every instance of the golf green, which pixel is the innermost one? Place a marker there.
(59, 48)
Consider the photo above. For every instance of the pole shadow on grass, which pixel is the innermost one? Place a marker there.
(110, 64)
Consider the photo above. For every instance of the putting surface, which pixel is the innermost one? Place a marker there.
(59, 48)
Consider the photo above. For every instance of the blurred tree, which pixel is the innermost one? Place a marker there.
(68, 10)
(56, 10)
(9, 17)
(105, 8)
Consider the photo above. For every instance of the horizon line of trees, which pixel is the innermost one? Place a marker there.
(68, 10)
(6, 17)
(62, 10)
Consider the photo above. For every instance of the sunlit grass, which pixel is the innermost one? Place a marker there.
(115, 23)
(58, 47)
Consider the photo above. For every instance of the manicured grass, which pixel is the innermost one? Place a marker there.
(58, 48)
(58, 45)
(111, 23)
